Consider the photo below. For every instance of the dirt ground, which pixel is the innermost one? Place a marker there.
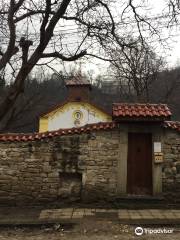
(86, 230)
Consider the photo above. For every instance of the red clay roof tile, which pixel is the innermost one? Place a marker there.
(38, 136)
(173, 125)
(123, 110)
(88, 128)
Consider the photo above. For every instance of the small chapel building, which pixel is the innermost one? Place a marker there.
(76, 111)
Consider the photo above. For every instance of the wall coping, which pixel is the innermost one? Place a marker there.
(24, 137)
(12, 137)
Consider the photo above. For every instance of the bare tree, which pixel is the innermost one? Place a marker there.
(174, 10)
(32, 30)
(35, 32)
(135, 68)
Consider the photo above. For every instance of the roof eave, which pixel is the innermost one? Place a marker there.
(139, 119)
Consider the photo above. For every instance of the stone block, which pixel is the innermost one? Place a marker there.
(53, 191)
(53, 180)
(5, 186)
(33, 170)
(53, 175)
(47, 169)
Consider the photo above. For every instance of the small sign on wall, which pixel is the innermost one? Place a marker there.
(158, 155)
(157, 147)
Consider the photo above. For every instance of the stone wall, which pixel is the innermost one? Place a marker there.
(66, 167)
(171, 165)
(87, 166)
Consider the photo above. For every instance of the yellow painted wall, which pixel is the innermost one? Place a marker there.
(43, 124)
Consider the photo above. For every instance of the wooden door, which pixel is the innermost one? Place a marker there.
(139, 165)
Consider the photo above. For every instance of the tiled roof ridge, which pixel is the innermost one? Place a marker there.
(148, 110)
(130, 103)
(13, 137)
(173, 125)
(18, 137)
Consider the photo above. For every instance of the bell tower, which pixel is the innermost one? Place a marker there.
(78, 89)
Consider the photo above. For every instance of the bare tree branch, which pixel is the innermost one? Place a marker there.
(11, 45)
(60, 56)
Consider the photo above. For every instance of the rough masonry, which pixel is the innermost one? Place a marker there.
(67, 167)
(86, 166)
(171, 165)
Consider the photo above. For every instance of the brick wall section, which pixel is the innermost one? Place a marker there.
(66, 167)
(171, 165)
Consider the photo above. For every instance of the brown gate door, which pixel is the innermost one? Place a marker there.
(139, 165)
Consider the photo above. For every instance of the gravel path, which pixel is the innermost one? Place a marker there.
(87, 230)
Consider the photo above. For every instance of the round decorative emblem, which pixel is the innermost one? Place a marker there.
(77, 115)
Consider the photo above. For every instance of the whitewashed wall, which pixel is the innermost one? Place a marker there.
(64, 118)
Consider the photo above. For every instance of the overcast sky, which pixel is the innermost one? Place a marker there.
(173, 55)
(156, 8)
(171, 52)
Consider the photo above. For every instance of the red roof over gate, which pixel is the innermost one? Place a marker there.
(140, 110)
